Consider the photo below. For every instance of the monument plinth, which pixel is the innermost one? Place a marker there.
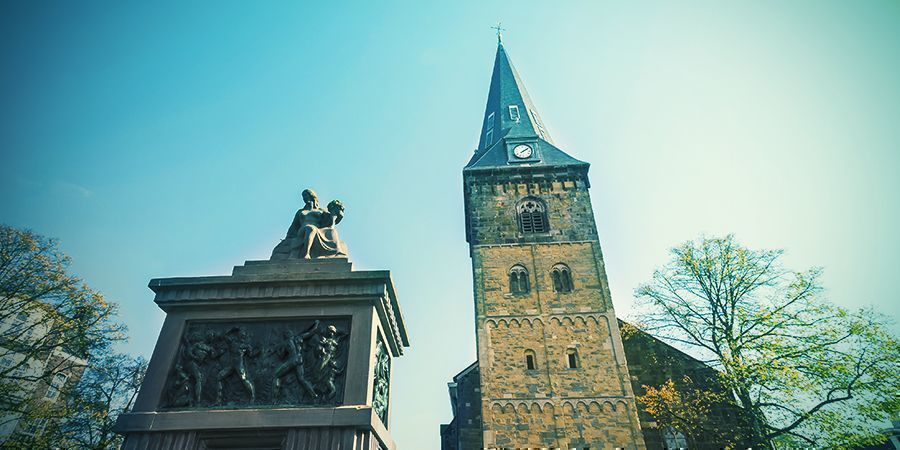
(290, 353)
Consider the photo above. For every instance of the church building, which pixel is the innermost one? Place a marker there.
(552, 369)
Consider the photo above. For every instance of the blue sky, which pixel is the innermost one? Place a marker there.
(161, 139)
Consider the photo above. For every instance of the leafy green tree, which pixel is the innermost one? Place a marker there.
(803, 371)
(51, 323)
(684, 407)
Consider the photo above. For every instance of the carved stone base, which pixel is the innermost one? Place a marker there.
(278, 355)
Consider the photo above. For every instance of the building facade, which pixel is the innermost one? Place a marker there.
(552, 369)
(40, 379)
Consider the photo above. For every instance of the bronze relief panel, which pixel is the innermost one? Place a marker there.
(244, 364)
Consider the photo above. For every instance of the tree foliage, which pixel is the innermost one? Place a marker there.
(801, 369)
(684, 407)
(50, 322)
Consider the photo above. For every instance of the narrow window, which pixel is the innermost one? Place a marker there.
(562, 278)
(532, 216)
(529, 360)
(489, 138)
(572, 357)
(514, 113)
(518, 280)
(56, 385)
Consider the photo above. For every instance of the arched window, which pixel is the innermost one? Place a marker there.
(532, 216)
(674, 439)
(518, 280)
(562, 278)
(530, 360)
(572, 358)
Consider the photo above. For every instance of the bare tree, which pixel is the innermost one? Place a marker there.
(107, 389)
(801, 370)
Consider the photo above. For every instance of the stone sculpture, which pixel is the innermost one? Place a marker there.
(312, 233)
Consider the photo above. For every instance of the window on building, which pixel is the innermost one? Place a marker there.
(514, 113)
(488, 138)
(56, 385)
(674, 439)
(518, 280)
(532, 216)
(562, 278)
(21, 317)
(530, 363)
(572, 358)
(35, 427)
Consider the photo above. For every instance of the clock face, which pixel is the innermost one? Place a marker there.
(522, 151)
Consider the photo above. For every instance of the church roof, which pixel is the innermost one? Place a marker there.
(510, 114)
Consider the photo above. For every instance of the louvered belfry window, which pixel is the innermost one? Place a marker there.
(532, 216)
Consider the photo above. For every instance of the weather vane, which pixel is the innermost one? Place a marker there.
(499, 32)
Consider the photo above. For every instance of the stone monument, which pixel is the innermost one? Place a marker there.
(290, 353)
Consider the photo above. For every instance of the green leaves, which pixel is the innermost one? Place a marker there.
(793, 360)
(53, 324)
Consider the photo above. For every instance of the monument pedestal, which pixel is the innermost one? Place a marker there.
(289, 354)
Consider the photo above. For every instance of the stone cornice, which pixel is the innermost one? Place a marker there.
(283, 282)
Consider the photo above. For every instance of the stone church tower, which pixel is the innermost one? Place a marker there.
(551, 366)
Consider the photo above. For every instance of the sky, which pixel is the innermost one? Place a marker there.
(162, 139)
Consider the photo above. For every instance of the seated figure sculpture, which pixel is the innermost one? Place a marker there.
(312, 234)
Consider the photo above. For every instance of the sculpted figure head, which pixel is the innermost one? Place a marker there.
(336, 209)
(310, 198)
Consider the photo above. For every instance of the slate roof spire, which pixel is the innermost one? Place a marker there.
(507, 90)
(510, 114)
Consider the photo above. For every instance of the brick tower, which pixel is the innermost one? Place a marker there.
(550, 357)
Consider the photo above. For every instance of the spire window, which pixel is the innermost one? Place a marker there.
(532, 216)
(489, 134)
(539, 125)
(562, 278)
(514, 113)
(518, 280)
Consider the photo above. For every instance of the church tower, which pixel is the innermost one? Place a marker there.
(550, 356)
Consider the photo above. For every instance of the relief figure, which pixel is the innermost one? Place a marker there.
(292, 350)
(238, 349)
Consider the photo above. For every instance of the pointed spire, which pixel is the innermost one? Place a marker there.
(510, 118)
(509, 111)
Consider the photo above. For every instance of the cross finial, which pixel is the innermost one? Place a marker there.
(499, 32)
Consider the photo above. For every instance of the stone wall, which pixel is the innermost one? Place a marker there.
(551, 405)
